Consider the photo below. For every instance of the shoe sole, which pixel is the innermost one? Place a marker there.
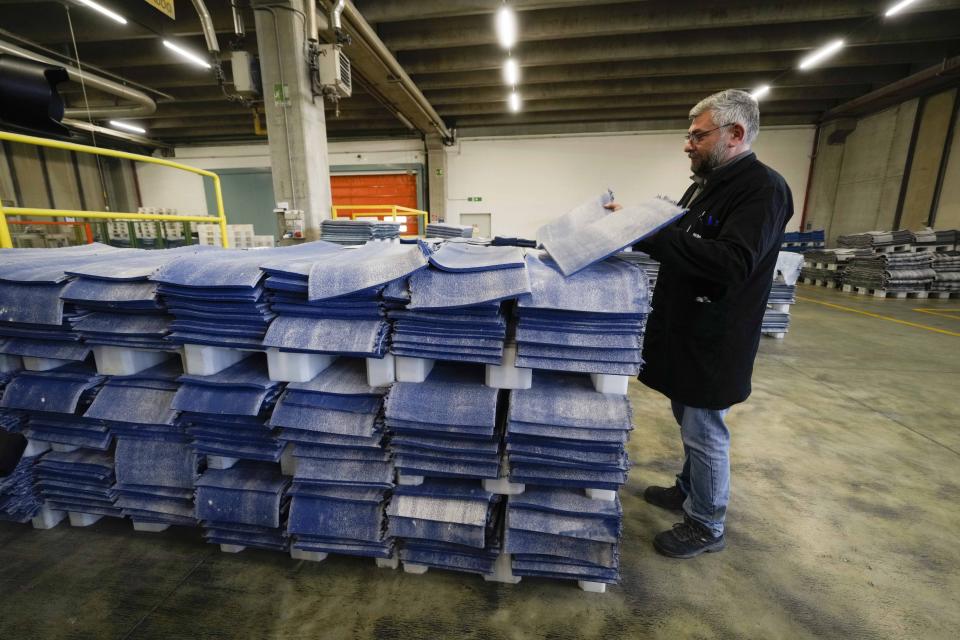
(715, 547)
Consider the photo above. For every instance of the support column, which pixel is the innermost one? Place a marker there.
(436, 178)
(296, 127)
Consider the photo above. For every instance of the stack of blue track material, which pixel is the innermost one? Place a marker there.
(227, 413)
(561, 533)
(344, 231)
(19, 498)
(447, 524)
(217, 297)
(80, 481)
(245, 505)
(563, 433)
(590, 322)
(32, 314)
(333, 304)
(156, 466)
(455, 311)
(343, 469)
(446, 426)
(120, 303)
(56, 401)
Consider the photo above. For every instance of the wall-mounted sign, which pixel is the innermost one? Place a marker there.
(165, 6)
(474, 199)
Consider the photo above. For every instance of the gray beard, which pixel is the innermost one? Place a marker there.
(711, 162)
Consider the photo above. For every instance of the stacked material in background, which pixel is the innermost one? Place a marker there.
(946, 268)
(561, 533)
(348, 232)
(244, 506)
(331, 302)
(562, 432)
(591, 322)
(343, 472)
(455, 310)
(55, 402)
(447, 524)
(227, 414)
(445, 426)
(874, 239)
(898, 272)
(941, 239)
(802, 241)
(11, 420)
(39, 323)
(442, 230)
(20, 499)
(776, 317)
(828, 265)
(156, 466)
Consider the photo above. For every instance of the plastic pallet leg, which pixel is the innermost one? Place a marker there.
(393, 562)
(232, 548)
(83, 519)
(381, 372)
(592, 587)
(48, 518)
(503, 571)
(312, 556)
(606, 495)
(416, 569)
(150, 527)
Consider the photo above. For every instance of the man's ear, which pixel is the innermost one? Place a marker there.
(737, 134)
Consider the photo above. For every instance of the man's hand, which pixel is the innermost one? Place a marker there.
(613, 206)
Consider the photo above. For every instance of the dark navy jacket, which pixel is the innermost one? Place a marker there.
(717, 267)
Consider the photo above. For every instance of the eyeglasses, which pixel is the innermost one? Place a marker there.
(697, 138)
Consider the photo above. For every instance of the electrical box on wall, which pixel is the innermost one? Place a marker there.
(246, 73)
(333, 67)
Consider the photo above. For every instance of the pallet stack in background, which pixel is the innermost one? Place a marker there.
(802, 241)
(310, 442)
(776, 318)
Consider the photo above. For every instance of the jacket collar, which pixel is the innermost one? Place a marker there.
(727, 172)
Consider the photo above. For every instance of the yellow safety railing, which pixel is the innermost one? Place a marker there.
(6, 241)
(383, 211)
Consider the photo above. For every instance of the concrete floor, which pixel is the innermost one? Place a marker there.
(843, 524)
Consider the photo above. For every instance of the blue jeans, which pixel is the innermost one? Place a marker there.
(705, 476)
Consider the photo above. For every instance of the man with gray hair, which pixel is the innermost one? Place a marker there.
(717, 267)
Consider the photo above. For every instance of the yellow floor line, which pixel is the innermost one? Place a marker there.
(943, 313)
(880, 317)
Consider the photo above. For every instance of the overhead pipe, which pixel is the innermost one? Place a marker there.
(372, 40)
(239, 29)
(206, 23)
(145, 105)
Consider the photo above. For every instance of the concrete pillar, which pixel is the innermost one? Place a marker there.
(296, 128)
(436, 178)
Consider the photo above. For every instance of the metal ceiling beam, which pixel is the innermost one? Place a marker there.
(811, 110)
(823, 99)
(617, 126)
(771, 63)
(719, 42)
(588, 20)
(377, 11)
(686, 84)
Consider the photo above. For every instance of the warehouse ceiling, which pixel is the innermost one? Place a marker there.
(585, 66)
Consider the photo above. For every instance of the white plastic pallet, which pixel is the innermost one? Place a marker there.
(78, 519)
(35, 448)
(507, 375)
(10, 363)
(416, 569)
(884, 293)
(503, 571)
(288, 462)
(150, 527)
(502, 485)
(608, 383)
(231, 548)
(413, 369)
(301, 367)
(592, 587)
(123, 361)
(776, 335)
(47, 518)
(206, 360)
(393, 562)
(221, 462)
(409, 481)
(943, 295)
(607, 495)
(31, 363)
(779, 307)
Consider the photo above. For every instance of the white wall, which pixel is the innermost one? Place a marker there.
(524, 182)
(165, 187)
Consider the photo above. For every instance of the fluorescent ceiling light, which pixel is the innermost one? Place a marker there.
(187, 55)
(511, 72)
(127, 127)
(506, 27)
(821, 54)
(897, 8)
(102, 9)
(760, 91)
(514, 101)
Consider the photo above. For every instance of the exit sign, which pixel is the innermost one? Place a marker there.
(474, 199)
